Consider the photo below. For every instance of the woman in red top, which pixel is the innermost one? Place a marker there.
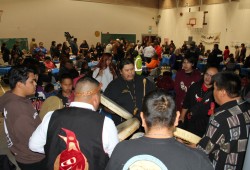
(158, 50)
(226, 53)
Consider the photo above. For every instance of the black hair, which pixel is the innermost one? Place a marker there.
(216, 46)
(33, 64)
(53, 43)
(65, 76)
(159, 109)
(189, 59)
(18, 74)
(245, 93)
(228, 81)
(59, 45)
(85, 69)
(135, 54)
(49, 88)
(47, 58)
(231, 58)
(124, 62)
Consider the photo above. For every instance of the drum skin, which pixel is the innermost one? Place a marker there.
(137, 135)
(127, 128)
(50, 104)
(115, 107)
(179, 133)
(187, 136)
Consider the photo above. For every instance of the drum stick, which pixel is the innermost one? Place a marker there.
(144, 85)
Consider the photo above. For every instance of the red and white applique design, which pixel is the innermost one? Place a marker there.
(71, 158)
(198, 99)
(211, 110)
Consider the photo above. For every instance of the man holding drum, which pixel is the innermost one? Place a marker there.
(77, 136)
(226, 138)
(128, 90)
(158, 149)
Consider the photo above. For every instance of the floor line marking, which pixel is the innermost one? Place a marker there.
(2, 89)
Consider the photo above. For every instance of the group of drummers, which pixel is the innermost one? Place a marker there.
(79, 137)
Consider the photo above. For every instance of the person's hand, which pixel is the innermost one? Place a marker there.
(191, 145)
(101, 72)
(181, 119)
(180, 140)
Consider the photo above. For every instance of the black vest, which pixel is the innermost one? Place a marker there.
(87, 126)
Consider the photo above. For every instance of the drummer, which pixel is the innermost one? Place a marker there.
(54, 135)
(225, 140)
(128, 90)
(158, 149)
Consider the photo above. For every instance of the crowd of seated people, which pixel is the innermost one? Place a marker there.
(74, 65)
(120, 49)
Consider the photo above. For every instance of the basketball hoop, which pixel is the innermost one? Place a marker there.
(1, 12)
(191, 22)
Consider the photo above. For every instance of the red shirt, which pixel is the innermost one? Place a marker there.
(49, 65)
(226, 54)
(158, 50)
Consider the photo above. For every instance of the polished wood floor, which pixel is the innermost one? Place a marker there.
(3, 88)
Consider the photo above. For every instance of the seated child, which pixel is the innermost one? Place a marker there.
(49, 64)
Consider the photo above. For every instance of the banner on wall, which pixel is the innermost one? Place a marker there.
(210, 38)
